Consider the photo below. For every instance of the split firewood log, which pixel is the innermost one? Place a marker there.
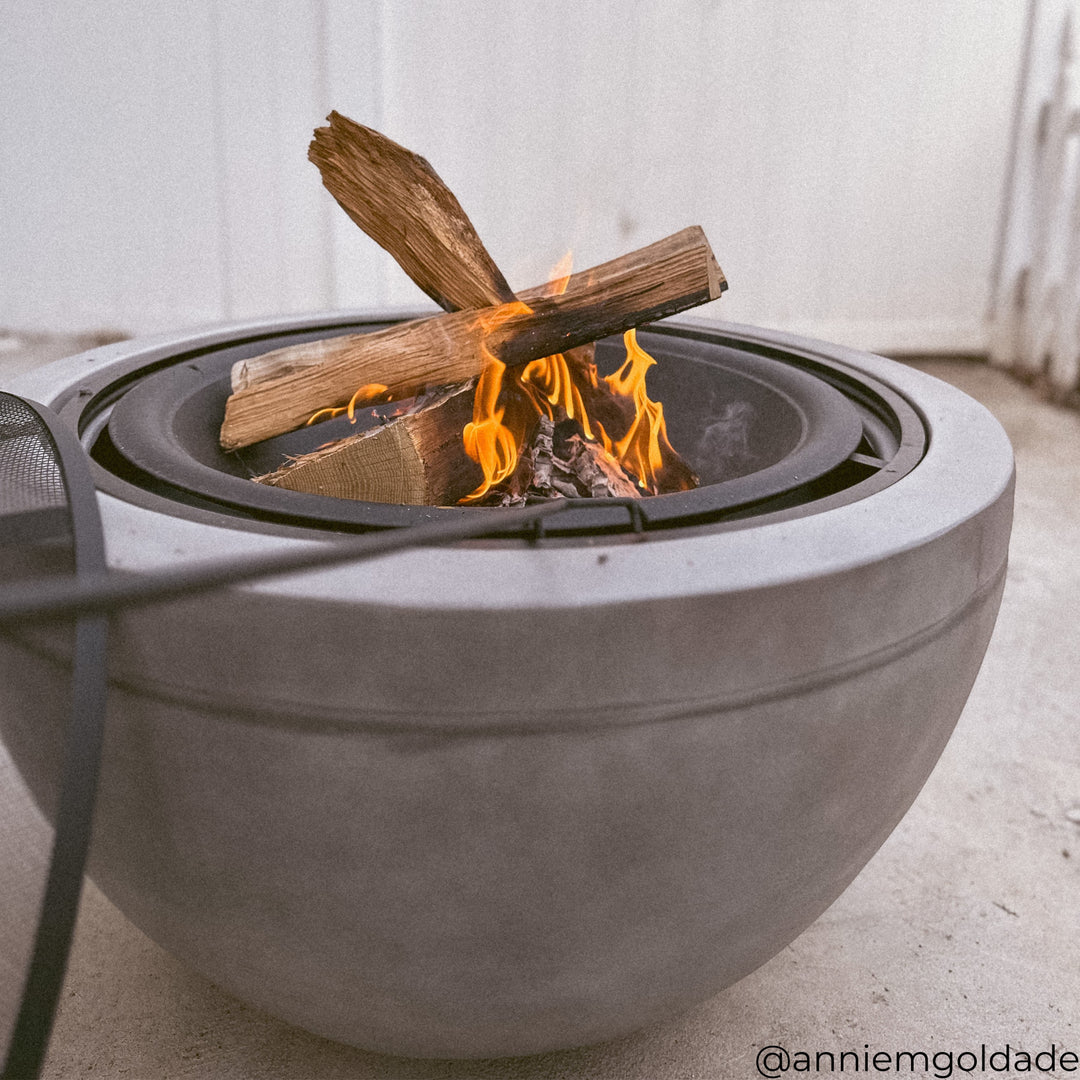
(398, 199)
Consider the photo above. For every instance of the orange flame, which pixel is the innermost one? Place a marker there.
(492, 444)
(550, 386)
(641, 450)
(502, 417)
(367, 393)
(560, 275)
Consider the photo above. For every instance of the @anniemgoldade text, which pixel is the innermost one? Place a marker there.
(776, 1061)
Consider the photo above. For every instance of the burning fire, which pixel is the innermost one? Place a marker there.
(506, 412)
(504, 416)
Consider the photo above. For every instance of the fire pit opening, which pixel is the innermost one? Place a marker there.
(768, 429)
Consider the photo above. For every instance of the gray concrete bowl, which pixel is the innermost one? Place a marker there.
(492, 799)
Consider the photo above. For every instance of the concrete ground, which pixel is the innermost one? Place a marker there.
(962, 932)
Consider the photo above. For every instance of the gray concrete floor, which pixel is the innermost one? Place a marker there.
(962, 931)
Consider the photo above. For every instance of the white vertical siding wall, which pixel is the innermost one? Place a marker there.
(269, 91)
(844, 156)
(1035, 295)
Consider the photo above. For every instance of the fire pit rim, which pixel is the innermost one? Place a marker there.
(789, 483)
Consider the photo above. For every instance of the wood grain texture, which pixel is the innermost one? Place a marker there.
(416, 459)
(398, 199)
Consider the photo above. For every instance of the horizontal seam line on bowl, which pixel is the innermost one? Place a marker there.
(272, 714)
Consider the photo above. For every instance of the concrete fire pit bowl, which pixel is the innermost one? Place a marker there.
(504, 797)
